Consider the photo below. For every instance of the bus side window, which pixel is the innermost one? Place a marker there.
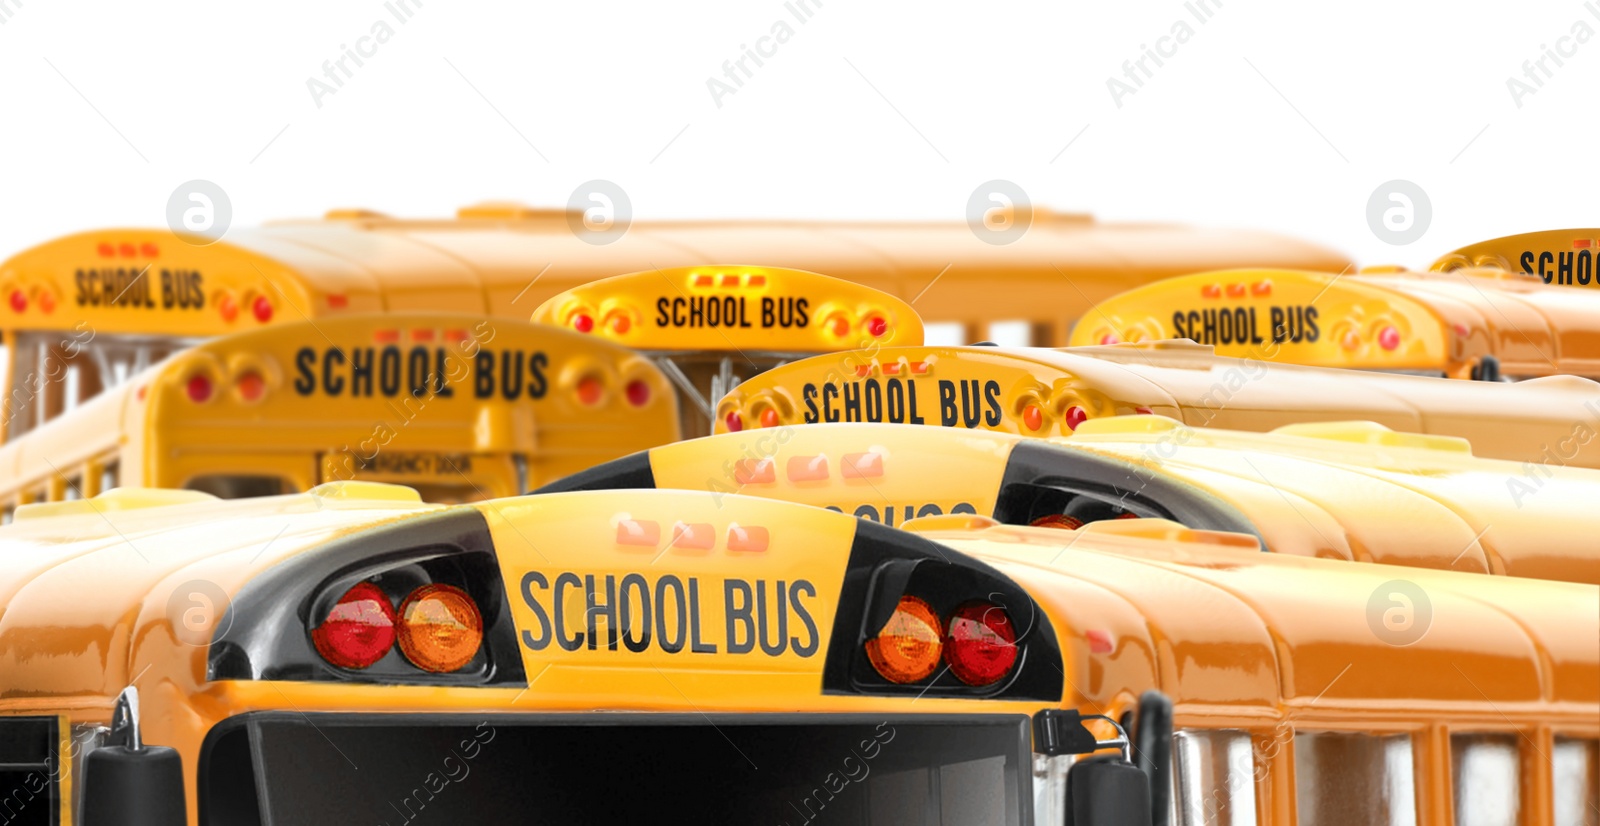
(943, 334)
(1011, 333)
(1214, 778)
(109, 476)
(73, 489)
(1577, 781)
(7, 514)
(1353, 778)
(1486, 774)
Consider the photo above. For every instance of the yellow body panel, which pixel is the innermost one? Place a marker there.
(1432, 322)
(1342, 490)
(483, 407)
(1549, 421)
(1286, 644)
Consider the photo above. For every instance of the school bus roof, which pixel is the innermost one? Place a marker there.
(131, 548)
(734, 309)
(1121, 599)
(504, 261)
(352, 388)
(1352, 491)
(1558, 256)
(1038, 391)
(1298, 631)
(1392, 320)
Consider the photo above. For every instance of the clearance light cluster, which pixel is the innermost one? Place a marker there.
(691, 536)
(869, 465)
(1037, 415)
(249, 383)
(706, 280)
(1147, 330)
(420, 335)
(229, 306)
(438, 628)
(592, 389)
(616, 321)
(842, 325)
(903, 367)
(1383, 333)
(977, 641)
(1259, 289)
(20, 298)
(128, 249)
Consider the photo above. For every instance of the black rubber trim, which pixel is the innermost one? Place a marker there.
(265, 632)
(1040, 477)
(628, 473)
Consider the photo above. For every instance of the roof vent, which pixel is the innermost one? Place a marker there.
(116, 499)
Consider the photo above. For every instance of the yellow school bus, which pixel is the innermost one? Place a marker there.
(352, 655)
(1564, 257)
(1344, 490)
(1465, 323)
(460, 407)
(711, 327)
(83, 312)
(1548, 422)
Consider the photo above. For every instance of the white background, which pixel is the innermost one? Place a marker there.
(1274, 115)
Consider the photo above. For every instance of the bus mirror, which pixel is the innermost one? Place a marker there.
(1488, 369)
(1152, 748)
(1101, 791)
(1107, 792)
(129, 783)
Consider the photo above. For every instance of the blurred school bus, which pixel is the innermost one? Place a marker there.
(1465, 323)
(1549, 422)
(83, 312)
(1564, 257)
(1343, 490)
(711, 327)
(353, 655)
(458, 406)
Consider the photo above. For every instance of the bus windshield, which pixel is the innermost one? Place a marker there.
(633, 769)
(712, 328)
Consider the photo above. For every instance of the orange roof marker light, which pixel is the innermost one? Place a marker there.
(711, 327)
(1465, 323)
